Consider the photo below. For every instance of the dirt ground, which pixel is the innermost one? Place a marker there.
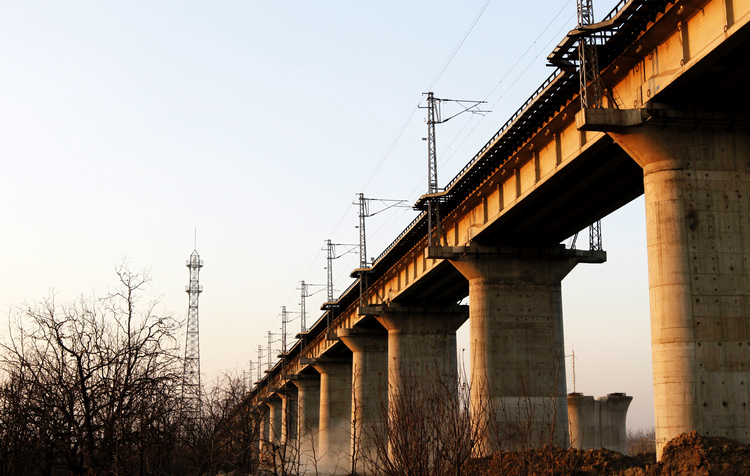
(687, 454)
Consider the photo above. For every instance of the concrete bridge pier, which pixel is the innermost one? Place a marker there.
(612, 417)
(518, 388)
(334, 437)
(289, 416)
(308, 412)
(697, 190)
(369, 384)
(583, 415)
(275, 420)
(257, 418)
(265, 434)
(599, 423)
(280, 449)
(421, 344)
(422, 373)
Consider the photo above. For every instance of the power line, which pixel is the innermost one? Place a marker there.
(458, 46)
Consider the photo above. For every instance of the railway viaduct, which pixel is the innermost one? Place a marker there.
(675, 127)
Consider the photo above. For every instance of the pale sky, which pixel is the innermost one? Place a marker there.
(124, 126)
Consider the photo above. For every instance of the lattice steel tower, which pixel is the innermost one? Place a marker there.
(434, 116)
(191, 383)
(590, 83)
(435, 232)
(591, 88)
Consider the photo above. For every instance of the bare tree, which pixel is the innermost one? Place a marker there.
(642, 440)
(93, 383)
(429, 428)
(229, 429)
(22, 435)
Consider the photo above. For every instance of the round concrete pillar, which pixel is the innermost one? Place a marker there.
(422, 375)
(265, 422)
(369, 381)
(257, 415)
(697, 186)
(289, 416)
(266, 449)
(308, 412)
(275, 420)
(335, 415)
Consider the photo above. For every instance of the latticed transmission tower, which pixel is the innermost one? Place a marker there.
(191, 379)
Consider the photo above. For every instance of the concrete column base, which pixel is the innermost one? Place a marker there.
(613, 412)
(266, 448)
(370, 397)
(308, 412)
(584, 422)
(335, 415)
(422, 375)
(257, 421)
(289, 416)
(275, 418)
(599, 423)
(518, 388)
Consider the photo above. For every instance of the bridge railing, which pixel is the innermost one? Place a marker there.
(401, 235)
(616, 9)
(505, 127)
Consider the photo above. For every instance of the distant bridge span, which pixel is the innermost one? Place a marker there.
(676, 128)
